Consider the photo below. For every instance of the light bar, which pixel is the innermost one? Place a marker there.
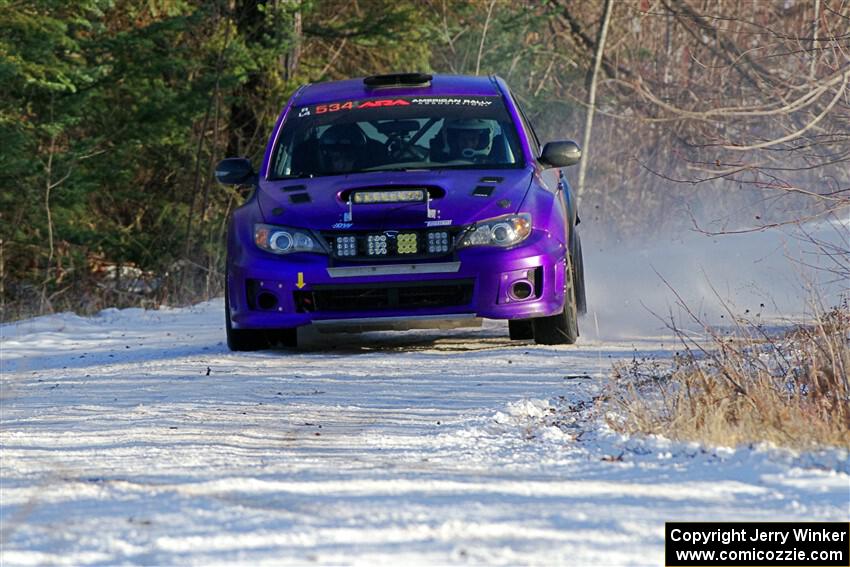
(403, 196)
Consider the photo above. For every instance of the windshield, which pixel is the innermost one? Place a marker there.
(396, 133)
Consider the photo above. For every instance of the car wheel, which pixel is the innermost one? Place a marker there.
(288, 337)
(255, 339)
(560, 329)
(242, 339)
(521, 329)
(581, 297)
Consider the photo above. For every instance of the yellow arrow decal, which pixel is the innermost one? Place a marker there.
(300, 282)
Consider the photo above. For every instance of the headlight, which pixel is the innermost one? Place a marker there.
(500, 231)
(282, 240)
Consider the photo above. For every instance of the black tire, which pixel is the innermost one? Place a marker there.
(581, 296)
(560, 329)
(243, 340)
(288, 337)
(521, 329)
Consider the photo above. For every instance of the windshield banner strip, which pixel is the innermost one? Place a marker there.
(349, 105)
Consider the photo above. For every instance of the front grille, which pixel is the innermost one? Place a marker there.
(401, 295)
(391, 244)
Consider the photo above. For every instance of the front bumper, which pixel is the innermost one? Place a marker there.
(268, 291)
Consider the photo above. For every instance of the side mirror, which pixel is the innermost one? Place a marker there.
(560, 154)
(234, 171)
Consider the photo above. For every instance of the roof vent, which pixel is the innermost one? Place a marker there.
(398, 80)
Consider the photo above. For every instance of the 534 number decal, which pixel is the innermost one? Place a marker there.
(334, 107)
(352, 105)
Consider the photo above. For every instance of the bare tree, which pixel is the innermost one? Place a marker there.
(591, 93)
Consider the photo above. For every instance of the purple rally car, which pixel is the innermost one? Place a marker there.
(403, 201)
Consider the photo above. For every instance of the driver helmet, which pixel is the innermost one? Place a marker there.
(340, 146)
(468, 138)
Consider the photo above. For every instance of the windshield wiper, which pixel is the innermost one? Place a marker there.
(294, 176)
(380, 168)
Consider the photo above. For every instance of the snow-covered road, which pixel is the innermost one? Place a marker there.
(136, 437)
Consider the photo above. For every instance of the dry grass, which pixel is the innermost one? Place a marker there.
(791, 389)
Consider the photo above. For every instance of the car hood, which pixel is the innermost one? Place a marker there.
(461, 197)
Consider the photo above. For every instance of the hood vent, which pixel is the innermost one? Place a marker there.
(299, 198)
(483, 190)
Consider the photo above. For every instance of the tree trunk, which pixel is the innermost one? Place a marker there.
(591, 94)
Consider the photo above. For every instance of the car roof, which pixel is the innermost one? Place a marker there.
(440, 85)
